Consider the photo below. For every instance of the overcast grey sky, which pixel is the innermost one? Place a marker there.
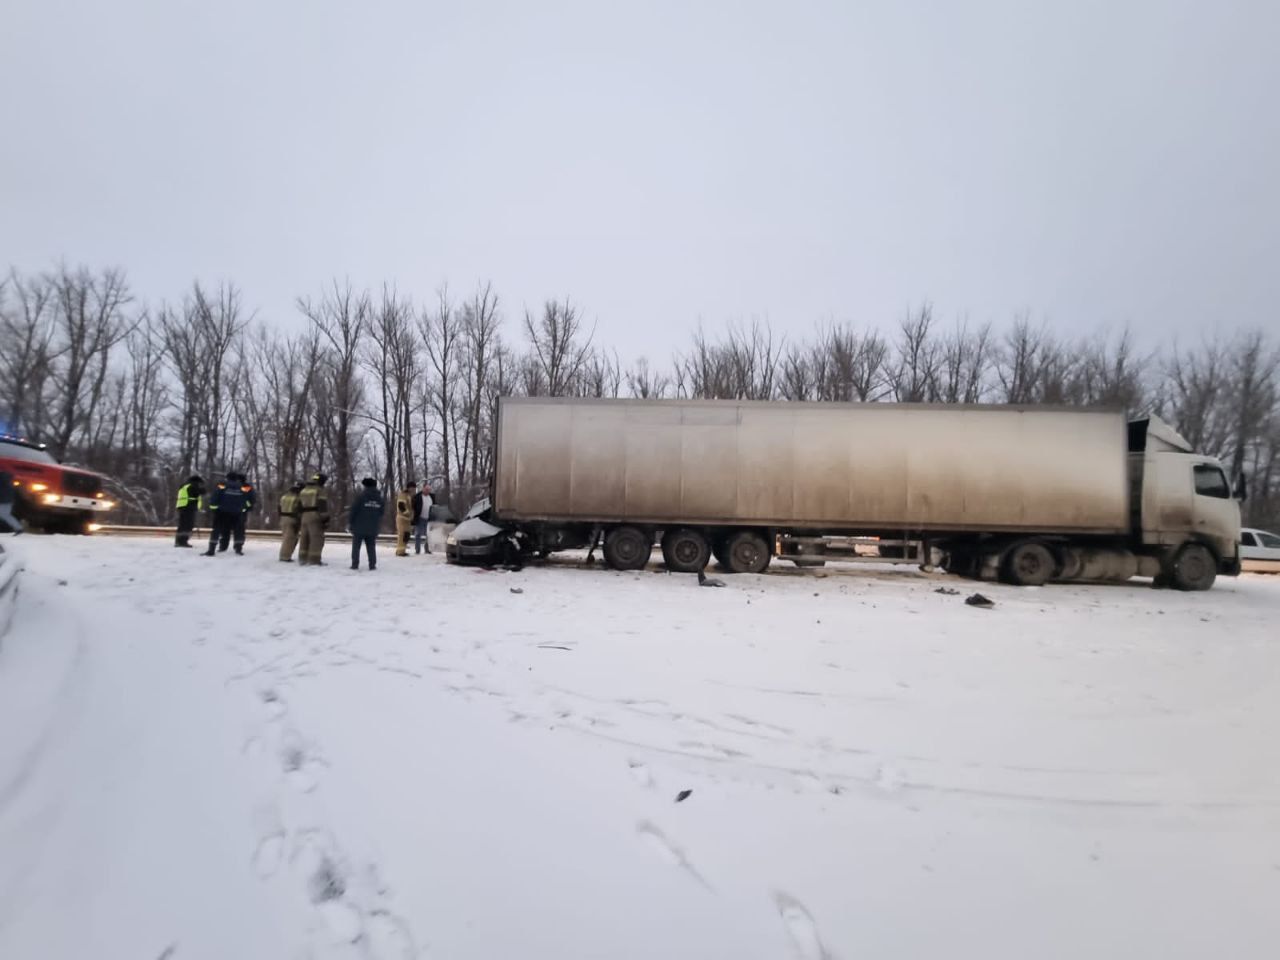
(1095, 161)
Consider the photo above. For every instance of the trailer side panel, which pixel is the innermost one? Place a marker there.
(813, 466)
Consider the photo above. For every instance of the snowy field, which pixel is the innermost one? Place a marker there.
(234, 758)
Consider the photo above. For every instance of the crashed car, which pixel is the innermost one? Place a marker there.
(474, 540)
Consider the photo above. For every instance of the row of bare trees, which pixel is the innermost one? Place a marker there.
(377, 384)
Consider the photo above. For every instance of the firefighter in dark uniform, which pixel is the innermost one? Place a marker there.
(313, 505)
(227, 506)
(189, 495)
(290, 512)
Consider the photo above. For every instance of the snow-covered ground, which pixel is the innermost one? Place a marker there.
(234, 758)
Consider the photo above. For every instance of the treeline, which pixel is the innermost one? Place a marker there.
(378, 384)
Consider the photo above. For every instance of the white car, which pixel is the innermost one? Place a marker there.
(1259, 551)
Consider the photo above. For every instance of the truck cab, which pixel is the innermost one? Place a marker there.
(49, 494)
(1184, 499)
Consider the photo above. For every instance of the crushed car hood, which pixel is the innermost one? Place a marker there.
(475, 529)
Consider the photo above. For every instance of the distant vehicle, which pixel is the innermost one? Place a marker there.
(1024, 494)
(50, 495)
(1259, 551)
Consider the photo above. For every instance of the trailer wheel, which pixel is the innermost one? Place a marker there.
(627, 548)
(1029, 565)
(1194, 568)
(747, 552)
(685, 550)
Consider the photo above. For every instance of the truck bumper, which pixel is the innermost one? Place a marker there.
(54, 503)
(1230, 566)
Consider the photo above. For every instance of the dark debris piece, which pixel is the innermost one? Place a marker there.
(683, 795)
(978, 600)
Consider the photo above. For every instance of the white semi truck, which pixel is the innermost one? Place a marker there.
(1025, 494)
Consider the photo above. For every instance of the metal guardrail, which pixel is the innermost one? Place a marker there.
(201, 534)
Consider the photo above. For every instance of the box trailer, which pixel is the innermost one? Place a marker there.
(1029, 494)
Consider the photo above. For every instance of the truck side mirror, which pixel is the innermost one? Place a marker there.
(1241, 492)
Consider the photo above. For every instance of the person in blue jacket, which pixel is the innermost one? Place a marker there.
(364, 522)
(227, 503)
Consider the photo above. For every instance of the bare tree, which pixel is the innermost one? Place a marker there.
(965, 363)
(392, 359)
(26, 363)
(88, 320)
(341, 318)
(644, 382)
(742, 367)
(915, 370)
(442, 333)
(559, 348)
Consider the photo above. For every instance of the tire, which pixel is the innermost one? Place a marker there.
(627, 548)
(1194, 568)
(747, 552)
(1072, 564)
(685, 550)
(1029, 565)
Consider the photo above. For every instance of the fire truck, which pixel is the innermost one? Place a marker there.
(50, 495)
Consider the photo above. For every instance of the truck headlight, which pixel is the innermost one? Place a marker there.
(51, 498)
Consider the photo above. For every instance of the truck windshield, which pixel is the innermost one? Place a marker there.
(1212, 482)
(16, 451)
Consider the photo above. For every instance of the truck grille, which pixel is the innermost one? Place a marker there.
(80, 484)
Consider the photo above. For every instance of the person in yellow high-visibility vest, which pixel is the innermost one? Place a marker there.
(189, 497)
(290, 518)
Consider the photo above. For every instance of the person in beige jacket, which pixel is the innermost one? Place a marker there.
(404, 517)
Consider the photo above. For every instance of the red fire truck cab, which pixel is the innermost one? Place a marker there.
(48, 494)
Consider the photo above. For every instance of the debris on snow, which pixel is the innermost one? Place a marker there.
(683, 795)
(705, 581)
(948, 591)
(978, 600)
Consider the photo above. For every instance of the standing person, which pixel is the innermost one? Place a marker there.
(313, 505)
(250, 501)
(364, 521)
(404, 517)
(422, 519)
(189, 495)
(290, 511)
(8, 521)
(227, 506)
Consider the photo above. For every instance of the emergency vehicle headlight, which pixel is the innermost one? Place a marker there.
(107, 504)
(51, 498)
(37, 487)
(95, 527)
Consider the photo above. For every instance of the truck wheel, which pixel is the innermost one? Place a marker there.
(685, 550)
(1194, 568)
(627, 548)
(1029, 565)
(747, 552)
